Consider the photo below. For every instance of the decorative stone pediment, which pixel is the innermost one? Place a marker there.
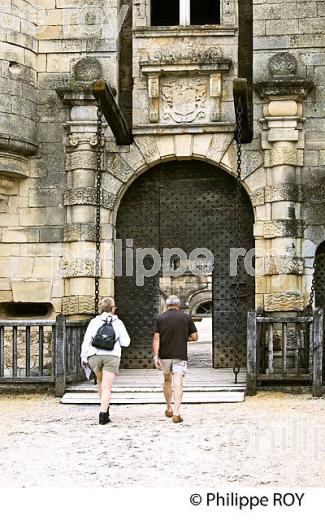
(177, 92)
(185, 59)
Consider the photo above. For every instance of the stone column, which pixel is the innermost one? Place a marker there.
(80, 203)
(278, 204)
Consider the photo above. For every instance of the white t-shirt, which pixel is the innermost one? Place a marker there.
(121, 334)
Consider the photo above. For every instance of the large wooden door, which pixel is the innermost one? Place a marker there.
(186, 205)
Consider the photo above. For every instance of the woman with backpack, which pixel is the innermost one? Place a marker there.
(101, 351)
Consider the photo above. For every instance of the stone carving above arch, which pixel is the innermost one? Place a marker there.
(151, 149)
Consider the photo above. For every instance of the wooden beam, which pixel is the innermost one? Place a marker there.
(104, 96)
(240, 91)
(60, 349)
(318, 353)
(251, 353)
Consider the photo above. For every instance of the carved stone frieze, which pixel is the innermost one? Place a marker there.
(148, 147)
(82, 160)
(283, 302)
(118, 167)
(78, 267)
(282, 156)
(77, 139)
(184, 56)
(87, 196)
(283, 191)
(78, 305)
(258, 197)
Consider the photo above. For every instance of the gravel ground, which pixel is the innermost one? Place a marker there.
(271, 439)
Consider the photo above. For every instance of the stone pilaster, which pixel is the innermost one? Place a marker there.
(80, 197)
(278, 204)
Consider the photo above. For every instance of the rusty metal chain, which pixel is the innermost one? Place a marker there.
(309, 307)
(99, 161)
(238, 137)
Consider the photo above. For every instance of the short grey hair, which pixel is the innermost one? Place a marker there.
(106, 304)
(173, 300)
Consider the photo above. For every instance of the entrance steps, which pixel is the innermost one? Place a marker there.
(201, 385)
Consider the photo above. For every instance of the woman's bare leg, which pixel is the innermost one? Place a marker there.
(99, 376)
(106, 389)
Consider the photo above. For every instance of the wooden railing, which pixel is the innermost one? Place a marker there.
(41, 351)
(285, 350)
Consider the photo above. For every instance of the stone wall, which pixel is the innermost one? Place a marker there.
(296, 27)
(43, 42)
(182, 108)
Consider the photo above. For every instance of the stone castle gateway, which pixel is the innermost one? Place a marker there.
(172, 71)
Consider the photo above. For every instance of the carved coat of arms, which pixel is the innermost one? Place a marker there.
(184, 99)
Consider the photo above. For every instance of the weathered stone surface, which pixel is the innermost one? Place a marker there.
(283, 228)
(87, 69)
(51, 234)
(218, 146)
(283, 191)
(282, 64)
(284, 265)
(134, 158)
(44, 197)
(148, 148)
(31, 291)
(4, 204)
(283, 302)
(79, 232)
(20, 234)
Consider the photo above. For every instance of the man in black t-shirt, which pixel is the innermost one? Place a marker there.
(173, 329)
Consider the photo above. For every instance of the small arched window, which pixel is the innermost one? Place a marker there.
(185, 12)
(204, 309)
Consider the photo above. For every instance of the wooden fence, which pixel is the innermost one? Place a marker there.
(41, 351)
(285, 350)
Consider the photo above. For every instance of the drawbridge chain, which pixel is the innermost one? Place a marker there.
(238, 138)
(99, 161)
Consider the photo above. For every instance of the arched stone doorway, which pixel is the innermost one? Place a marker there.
(186, 205)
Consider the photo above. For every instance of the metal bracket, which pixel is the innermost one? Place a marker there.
(104, 96)
(240, 91)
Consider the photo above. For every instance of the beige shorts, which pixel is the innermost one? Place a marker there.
(102, 362)
(173, 366)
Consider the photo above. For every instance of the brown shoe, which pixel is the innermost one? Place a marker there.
(177, 418)
(169, 414)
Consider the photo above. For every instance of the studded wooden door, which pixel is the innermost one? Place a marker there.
(187, 205)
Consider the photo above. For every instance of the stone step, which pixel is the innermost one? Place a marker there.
(92, 389)
(145, 397)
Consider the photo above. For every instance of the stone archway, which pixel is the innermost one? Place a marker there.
(188, 205)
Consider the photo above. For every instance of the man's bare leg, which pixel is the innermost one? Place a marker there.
(178, 391)
(168, 391)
